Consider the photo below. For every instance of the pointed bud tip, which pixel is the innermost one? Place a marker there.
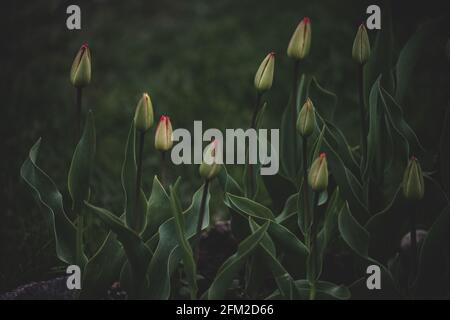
(413, 158)
(306, 20)
(272, 54)
(323, 155)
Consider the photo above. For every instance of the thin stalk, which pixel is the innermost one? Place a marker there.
(295, 92)
(163, 168)
(362, 109)
(200, 220)
(313, 246)
(79, 240)
(253, 126)
(307, 206)
(139, 175)
(78, 103)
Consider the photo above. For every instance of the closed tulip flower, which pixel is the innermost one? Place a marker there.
(306, 119)
(361, 46)
(163, 135)
(318, 174)
(413, 186)
(80, 73)
(143, 118)
(264, 75)
(300, 42)
(212, 161)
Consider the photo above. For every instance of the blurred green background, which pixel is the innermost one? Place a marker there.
(197, 60)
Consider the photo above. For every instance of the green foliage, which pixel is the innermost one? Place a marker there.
(286, 231)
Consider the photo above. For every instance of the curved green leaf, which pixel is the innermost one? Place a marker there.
(46, 192)
(135, 219)
(234, 263)
(136, 250)
(249, 207)
(82, 165)
(168, 254)
(187, 255)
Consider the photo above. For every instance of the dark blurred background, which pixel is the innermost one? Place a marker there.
(197, 60)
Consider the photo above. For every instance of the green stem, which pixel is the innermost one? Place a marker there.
(163, 168)
(251, 184)
(307, 207)
(200, 220)
(78, 103)
(79, 240)
(362, 109)
(295, 92)
(138, 177)
(313, 247)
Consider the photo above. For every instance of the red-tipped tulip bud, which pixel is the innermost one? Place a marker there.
(212, 161)
(143, 117)
(413, 186)
(301, 40)
(264, 75)
(306, 119)
(318, 174)
(80, 73)
(361, 46)
(163, 135)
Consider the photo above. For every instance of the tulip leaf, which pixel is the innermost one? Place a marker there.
(158, 209)
(137, 252)
(249, 207)
(324, 101)
(103, 268)
(357, 238)
(168, 255)
(233, 264)
(410, 54)
(136, 219)
(434, 258)
(324, 291)
(283, 279)
(190, 268)
(82, 165)
(46, 192)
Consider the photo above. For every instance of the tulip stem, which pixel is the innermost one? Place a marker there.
(313, 248)
(200, 220)
(163, 168)
(139, 176)
(78, 102)
(295, 92)
(362, 108)
(307, 207)
(79, 240)
(253, 124)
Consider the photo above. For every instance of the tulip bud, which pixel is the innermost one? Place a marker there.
(212, 161)
(143, 117)
(264, 75)
(413, 186)
(163, 135)
(318, 174)
(80, 73)
(301, 40)
(306, 119)
(361, 46)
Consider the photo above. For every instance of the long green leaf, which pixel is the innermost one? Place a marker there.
(233, 264)
(46, 192)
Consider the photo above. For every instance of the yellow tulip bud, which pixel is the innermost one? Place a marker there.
(211, 164)
(80, 72)
(143, 117)
(306, 119)
(163, 134)
(413, 185)
(318, 174)
(264, 75)
(301, 40)
(361, 46)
